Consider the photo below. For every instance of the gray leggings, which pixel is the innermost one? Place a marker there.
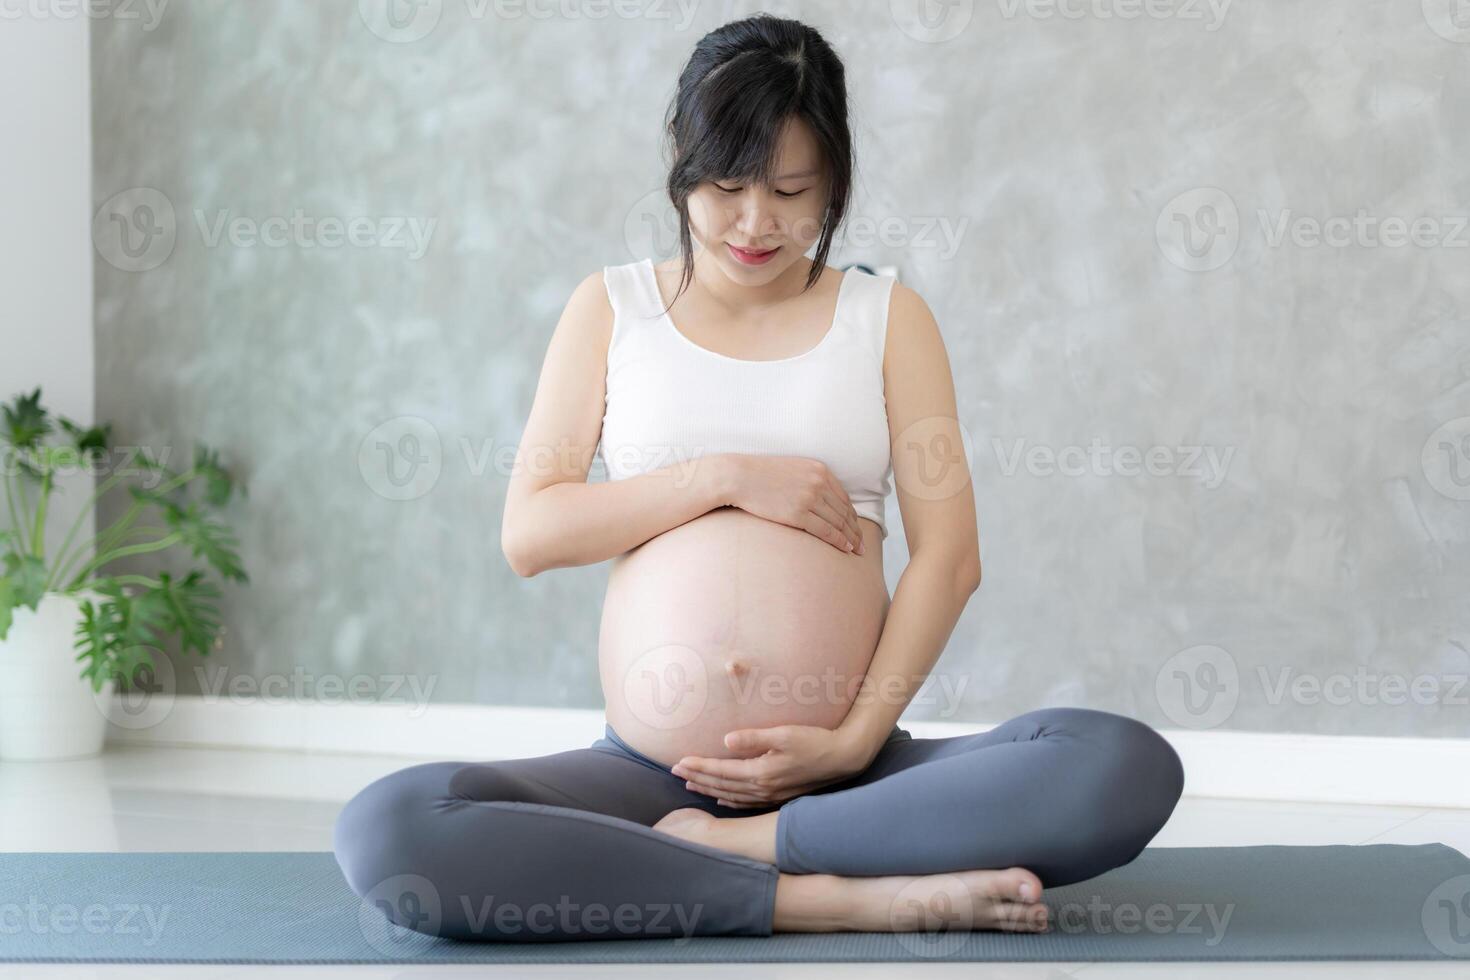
(559, 847)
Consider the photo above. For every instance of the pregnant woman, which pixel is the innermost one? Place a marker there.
(753, 409)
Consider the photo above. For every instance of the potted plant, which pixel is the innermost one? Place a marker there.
(53, 605)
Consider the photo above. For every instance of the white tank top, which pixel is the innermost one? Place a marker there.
(670, 400)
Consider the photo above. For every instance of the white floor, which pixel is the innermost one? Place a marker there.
(134, 798)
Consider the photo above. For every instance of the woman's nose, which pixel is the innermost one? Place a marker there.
(755, 220)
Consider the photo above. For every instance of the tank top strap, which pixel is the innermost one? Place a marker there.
(627, 291)
(865, 309)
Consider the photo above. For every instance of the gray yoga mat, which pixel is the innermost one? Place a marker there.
(1374, 902)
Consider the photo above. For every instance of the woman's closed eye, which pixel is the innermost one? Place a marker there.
(736, 190)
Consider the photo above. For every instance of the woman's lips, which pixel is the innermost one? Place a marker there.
(752, 258)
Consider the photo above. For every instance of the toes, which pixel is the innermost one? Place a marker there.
(1019, 917)
(1015, 885)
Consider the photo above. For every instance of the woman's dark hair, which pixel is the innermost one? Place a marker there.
(744, 82)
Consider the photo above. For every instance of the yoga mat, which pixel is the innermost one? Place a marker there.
(1340, 902)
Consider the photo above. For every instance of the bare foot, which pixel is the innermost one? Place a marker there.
(752, 837)
(961, 901)
(1007, 900)
(689, 823)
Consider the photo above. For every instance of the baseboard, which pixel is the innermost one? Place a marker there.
(1354, 769)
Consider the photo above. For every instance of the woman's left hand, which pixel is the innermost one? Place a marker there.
(778, 764)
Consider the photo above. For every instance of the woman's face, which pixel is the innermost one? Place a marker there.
(776, 224)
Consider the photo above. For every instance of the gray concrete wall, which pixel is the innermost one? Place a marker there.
(1229, 240)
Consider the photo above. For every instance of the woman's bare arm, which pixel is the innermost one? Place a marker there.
(932, 479)
(553, 517)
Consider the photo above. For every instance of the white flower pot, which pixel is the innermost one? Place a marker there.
(48, 710)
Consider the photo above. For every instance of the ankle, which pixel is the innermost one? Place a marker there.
(816, 903)
(754, 837)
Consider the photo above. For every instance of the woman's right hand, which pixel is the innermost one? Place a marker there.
(799, 492)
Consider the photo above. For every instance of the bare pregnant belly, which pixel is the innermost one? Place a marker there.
(733, 621)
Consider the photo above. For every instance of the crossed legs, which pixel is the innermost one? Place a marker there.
(563, 847)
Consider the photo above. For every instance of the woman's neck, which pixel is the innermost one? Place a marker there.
(740, 300)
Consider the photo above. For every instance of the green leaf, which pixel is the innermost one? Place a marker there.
(190, 612)
(116, 637)
(210, 540)
(88, 440)
(27, 577)
(25, 420)
(7, 605)
(96, 637)
(218, 484)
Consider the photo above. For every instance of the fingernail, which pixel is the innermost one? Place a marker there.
(1026, 892)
